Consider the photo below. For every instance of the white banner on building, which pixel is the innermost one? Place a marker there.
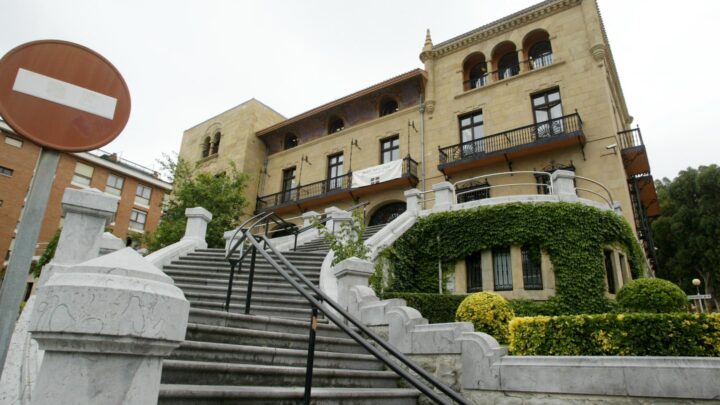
(377, 174)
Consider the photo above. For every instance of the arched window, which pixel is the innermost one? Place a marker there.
(474, 71)
(507, 63)
(387, 213)
(335, 124)
(539, 50)
(291, 141)
(206, 147)
(216, 144)
(388, 106)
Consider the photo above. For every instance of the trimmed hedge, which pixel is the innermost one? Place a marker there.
(652, 295)
(437, 308)
(633, 334)
(488, 312)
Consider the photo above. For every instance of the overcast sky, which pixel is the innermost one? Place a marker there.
(186, 61)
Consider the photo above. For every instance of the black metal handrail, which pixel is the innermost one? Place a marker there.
(319, 188)
(630, 139)
(529, 134)
(316, 298)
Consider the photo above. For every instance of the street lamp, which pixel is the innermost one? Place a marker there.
(696, 282)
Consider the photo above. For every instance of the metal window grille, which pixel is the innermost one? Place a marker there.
(502, 269)
(473, 264)
(532, 274)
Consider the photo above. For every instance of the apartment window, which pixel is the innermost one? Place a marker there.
(502, 269)
(610, 271)
(547, 109)
(5, 171)
(508, 64)
(165, 203)
(388, 106)
(475, 71)
(472, 133)
(532, 274)
(335, 124)
(137, 220)
(13, 141)
(291, 141)
(83, 174)
(390, 149)
(335, 171)
(206, 147)
(539, 49)
(473, 266)
(288, 183)
(142, 195)
(473, 190)
(114, 185)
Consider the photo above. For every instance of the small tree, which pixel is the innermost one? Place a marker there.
(221, 194)
(348, 241)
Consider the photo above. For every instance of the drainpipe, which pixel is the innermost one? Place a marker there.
(422, 148)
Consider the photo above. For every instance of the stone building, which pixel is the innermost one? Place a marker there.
(139, 190)
(494, 111)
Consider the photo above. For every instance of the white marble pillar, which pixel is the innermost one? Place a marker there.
(197, 221)
(444, 196)
(412, 197)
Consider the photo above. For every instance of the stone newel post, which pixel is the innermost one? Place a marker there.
(308, 218)
(105, 325)
(349, 273)
(337, 218)
(197, 220)
(444, 196)
(412, 197)
(564, 185)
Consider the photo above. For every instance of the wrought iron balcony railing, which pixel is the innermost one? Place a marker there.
(322, 188)
(569, 125)
(631, 138)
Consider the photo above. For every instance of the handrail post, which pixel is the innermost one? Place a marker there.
(311, 354)
(233, 263)
(251, 276)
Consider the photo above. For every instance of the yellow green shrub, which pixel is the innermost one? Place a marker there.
(488, 312)
(632, 334)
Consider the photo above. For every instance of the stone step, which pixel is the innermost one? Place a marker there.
(260, 322)
(198, 372)
(238, 289)
(264, 277)
(290, 254)
(259, 298)
(180, 394)
(225, 268)
(259, 261)
(268, 338)
(229, 353)
(256, 309)
(238, 283)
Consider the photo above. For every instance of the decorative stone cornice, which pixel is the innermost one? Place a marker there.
(501, 26)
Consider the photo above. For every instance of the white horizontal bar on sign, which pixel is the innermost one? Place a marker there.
(67, 94)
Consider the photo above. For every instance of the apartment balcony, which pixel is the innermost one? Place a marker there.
(505, 146)
(335, 189)
(632, 150)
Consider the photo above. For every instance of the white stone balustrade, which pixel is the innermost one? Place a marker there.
(105, 325)
(444, 196)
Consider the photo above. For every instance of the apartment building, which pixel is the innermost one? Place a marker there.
(139, 190)
(494, 111)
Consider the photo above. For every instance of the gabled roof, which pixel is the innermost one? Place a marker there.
(416, 73)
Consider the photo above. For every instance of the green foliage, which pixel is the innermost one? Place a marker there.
(348, 241)
(652, 295)
(687, 233)
(573, 235)
(635, 334)
(437, 308)
(47, 255)
(522, 307)
(222, 194)
(488, 312)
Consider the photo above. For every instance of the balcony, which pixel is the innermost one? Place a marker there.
(528, 140)
(334, 189)
(632, 150)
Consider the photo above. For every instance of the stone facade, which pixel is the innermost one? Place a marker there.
(20, 156)
(430, 105)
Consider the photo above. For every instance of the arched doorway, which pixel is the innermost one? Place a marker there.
(387, 213)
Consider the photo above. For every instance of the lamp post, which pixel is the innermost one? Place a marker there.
(696, 282)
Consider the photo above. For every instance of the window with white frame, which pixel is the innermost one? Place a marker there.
(13, 141)
(142, 195)
(137, 220)
(114, 185)
(83, 174)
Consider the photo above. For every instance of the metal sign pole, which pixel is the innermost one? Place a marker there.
(13, 286)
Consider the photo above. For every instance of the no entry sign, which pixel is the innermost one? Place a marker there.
(62, 95)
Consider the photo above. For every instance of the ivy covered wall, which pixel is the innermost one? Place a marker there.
(573, 235)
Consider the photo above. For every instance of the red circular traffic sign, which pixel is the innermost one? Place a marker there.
(62, 95)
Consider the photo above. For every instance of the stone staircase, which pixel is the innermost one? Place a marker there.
(260, 358)
(319, 244)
